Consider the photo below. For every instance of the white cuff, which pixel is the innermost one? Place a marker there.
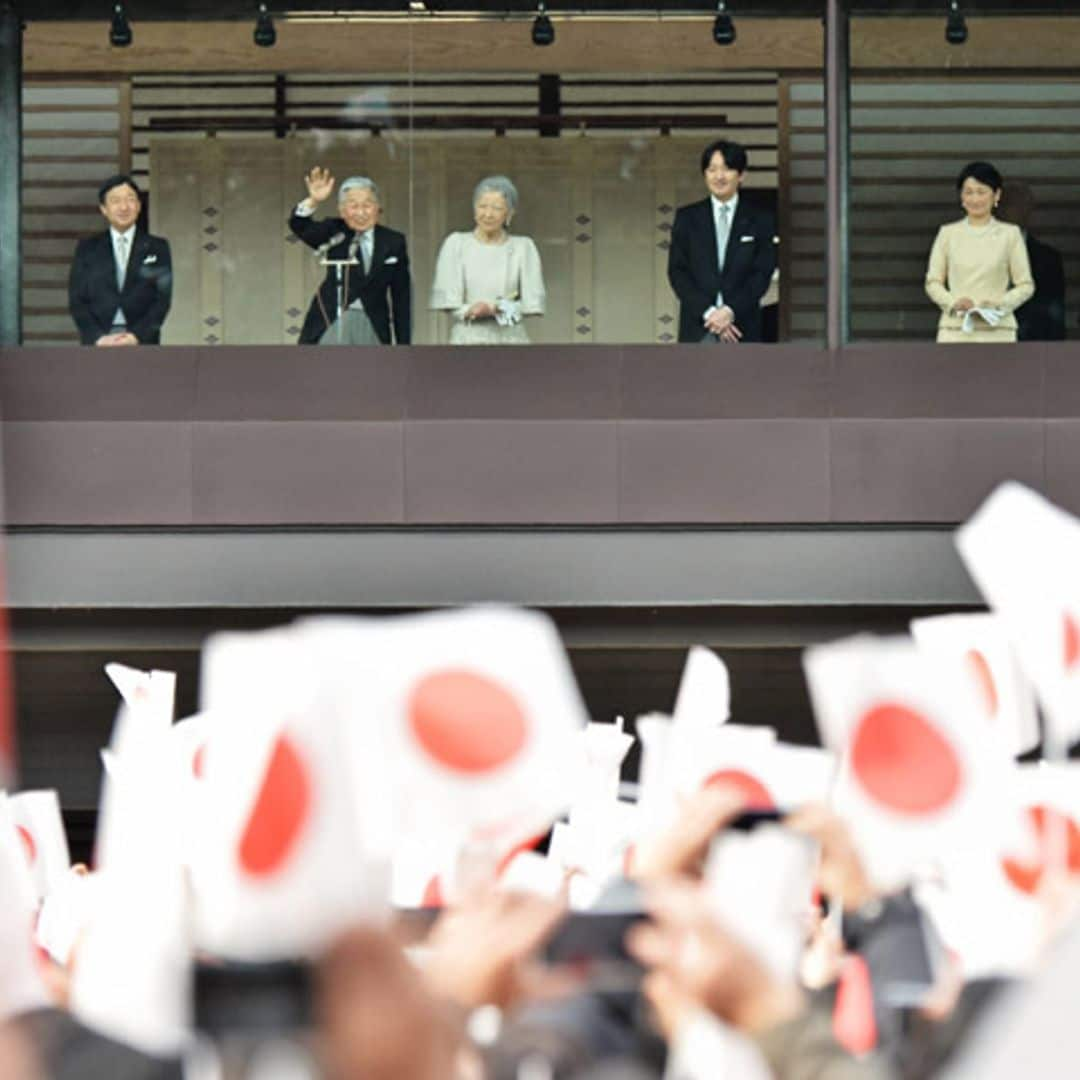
(304, 209)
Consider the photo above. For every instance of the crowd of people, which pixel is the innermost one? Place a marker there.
(397, 848)
(992, 279)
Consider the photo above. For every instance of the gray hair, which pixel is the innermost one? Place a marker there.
(355, 182)
(501, 185)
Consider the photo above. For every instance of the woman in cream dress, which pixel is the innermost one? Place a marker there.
(488, 279)
(978, 262)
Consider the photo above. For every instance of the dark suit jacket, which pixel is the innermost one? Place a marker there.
(1042, 318)
(145, 298)
(387, 277)
(694, 273)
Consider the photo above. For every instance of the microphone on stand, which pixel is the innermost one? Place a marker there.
(322, 249)
(354, 245)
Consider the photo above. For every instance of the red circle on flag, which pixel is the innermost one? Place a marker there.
(198, 761)
(755, 794)
(433, 893)
(467, 722)
(979, 667)
(1027, 876)
(1071, 642)
(279, 814)
(29, 847)
(528, 844)
(903, 761)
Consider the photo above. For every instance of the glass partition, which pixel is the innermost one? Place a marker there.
(600, 157)
(913, 134)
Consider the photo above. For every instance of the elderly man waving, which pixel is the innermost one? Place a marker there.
(367, 271)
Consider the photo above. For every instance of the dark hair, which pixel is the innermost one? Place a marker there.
(734, 154)
(982, 171)
(117, 181)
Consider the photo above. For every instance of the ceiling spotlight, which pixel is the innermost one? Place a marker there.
(120, 30)
(955, 27)
(543, 33)
(265, 34)
(723, 30)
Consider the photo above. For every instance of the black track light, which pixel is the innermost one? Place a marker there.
(955, 26)
(543, 33)
(265, 34)
(120, 31)
(723, 29)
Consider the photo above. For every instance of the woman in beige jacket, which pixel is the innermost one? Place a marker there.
(978, 262)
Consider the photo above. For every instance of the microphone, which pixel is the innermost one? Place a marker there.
(322, 249)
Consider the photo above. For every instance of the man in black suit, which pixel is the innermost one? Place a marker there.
(120, 285)
(722, 255)
(376, 292)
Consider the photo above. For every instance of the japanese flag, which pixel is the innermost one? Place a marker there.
(40, 828)
(769, 775)
(916, 779)
(736, 755)
(980, 650)
(1022, 552)
(279, 864)
(994, 903)
(1049, 803)
(478, 713)
(148, 694)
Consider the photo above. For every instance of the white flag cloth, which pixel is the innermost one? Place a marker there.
(704, 697)
(278, 855)
(980, 649)
(150, 694)
(131, 978)
(20, 986)
(706, 1049)
(916, 781)
(133, 962)
(760, 885)
(66, 913)
(987, 901)
(41, 830)
(1022, 551)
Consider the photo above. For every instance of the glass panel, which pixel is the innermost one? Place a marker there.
(904, 188)
(601, 157)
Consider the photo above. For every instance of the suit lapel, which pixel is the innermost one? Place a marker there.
(378, 243)
(106, 257)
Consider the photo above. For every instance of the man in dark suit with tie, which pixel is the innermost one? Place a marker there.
(722, 254)
(376, 291)
(120, 284)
